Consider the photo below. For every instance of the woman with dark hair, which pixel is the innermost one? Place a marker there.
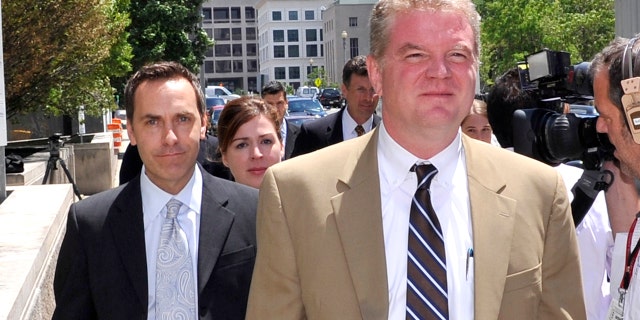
(249, 139)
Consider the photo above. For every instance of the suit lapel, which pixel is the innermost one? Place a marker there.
(334, 130)
(215, 223)
(493, 217)
(127, 225)
(359, 223)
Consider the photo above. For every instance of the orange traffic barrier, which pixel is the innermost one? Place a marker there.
(116, 128)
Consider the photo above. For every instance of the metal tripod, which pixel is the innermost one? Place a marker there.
(54, 158)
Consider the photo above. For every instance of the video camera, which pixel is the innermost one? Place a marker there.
(562, 127)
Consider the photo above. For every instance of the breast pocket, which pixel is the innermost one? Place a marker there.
(236, 258)
(524, 279)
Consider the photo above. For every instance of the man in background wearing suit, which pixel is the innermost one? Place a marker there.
(174, 242)
(488, 235)
(275, 94)
(351, 121)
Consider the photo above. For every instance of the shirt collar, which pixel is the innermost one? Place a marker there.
(401, 160)
(155, 199)
(348, 122)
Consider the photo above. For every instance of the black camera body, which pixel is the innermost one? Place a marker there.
(548, 133)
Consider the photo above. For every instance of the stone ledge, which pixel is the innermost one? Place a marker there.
(32, 223)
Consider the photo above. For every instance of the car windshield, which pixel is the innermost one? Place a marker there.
(304, 105)
(215, 102)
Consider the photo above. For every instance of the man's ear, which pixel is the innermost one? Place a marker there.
(375, 75)
(132, 136)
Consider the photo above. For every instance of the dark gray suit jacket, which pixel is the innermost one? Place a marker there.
(323, 132)
(292, 136)
(102, 268)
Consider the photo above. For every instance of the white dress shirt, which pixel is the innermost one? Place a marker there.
(450, 199)
(154, 211)
(349, 126)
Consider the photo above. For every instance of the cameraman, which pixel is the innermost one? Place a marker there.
(595, 239)
(607, 70)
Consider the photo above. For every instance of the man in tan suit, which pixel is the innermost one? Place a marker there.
(337, 243)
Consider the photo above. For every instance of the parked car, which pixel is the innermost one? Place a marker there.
(330, 98)
(215, 116)
(306, 106)
(299, 119)
(218, 91)
(307, 92)
(212, 102)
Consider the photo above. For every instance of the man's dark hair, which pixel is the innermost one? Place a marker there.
(157, 71)
(504, 98)
(357, 65)
(273, 87)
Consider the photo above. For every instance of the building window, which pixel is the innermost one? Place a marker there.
(321, 35)
(311, 35)
(353, 21)
(222, 50)
(280, 73)
(292, 35)
(235, 14)
(294, 51)
(252, 65)
(208, 67)
(209, 52)
(238, 66)
(312, 50)
(278, 35)
(209, 32)
(293, 15)
(278, 51)
(276, 16)
(237, 50)
(223, 66)
(294, 72)
(220, 15)
(309, 15)
(295, 85)
(250, 33)
(221, 34)
(252, 50)
(353, 48)
(206, 15)
(250, 14)
(236, 33)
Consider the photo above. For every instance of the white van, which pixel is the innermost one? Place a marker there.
(218, 91)
(307, 92)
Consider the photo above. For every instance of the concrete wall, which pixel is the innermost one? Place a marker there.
(627, 13)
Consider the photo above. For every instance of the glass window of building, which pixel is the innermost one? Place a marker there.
(311, 35)
(208, 67)
(292, 35)
(250, 33)
(237, 50)
(221, 34)
(252, 82)
(250, 14)
(222, 50)
(209, 52)
(278, 35)
(293, 15)
(294, 72)
(238, 66)
(252, 49)
(209, 32)
(280, 73)
(321, 35)
(235, 14)
(276, 16)
(312, 50)
(294, 51)
(236, 33)
(353, 21)
(309, 15)
(223, 66)
(295, 85)
(353, 48)
(221, 15)
(252, 65)
(207, 16)
(278, 51)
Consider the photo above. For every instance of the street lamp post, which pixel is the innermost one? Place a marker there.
(310, 71)
(344, 36)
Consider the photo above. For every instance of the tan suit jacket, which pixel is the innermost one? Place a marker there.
(321, 253)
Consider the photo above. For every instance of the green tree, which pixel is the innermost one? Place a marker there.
(168, 30)
(512, 29)
(59, 54)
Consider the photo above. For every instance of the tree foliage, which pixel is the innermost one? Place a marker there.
(168, 30)
(512, 29)
(59, 54)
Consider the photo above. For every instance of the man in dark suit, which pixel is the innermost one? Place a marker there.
(113, 262)
(275, 94)
(351, 121)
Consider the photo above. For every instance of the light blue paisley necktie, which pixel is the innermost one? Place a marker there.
(175, 288)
